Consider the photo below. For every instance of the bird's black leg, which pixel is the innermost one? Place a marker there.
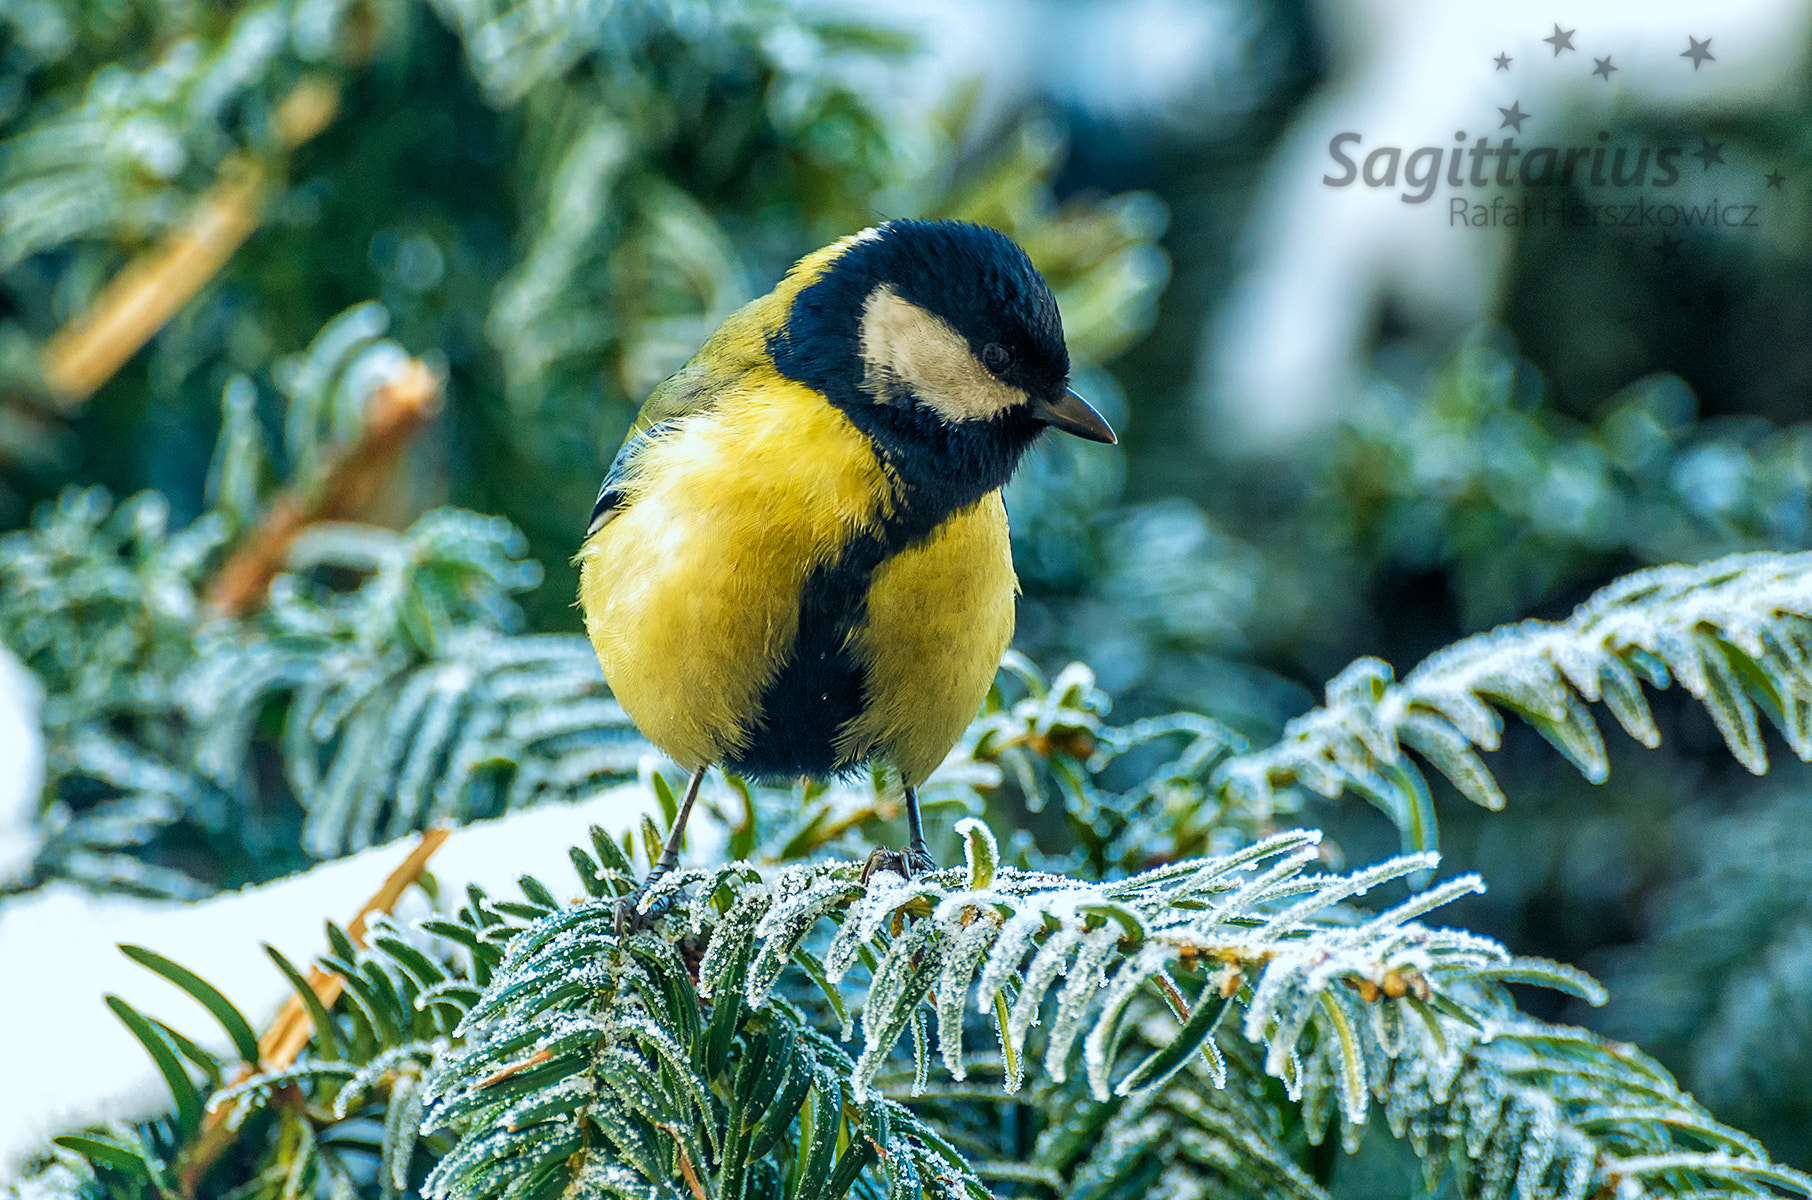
(915, 859)
(918, 859)
(628, 918)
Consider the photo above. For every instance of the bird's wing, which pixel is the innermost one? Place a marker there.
(739, 346)
(610, 495)
(679, 396)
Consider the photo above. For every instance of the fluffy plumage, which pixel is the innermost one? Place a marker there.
(799, 560)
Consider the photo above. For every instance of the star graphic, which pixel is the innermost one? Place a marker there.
(1775, 179)
(1514, 116)
(1699, 52)
(1669, 247)
(1562, 39)
(1503, 62)
(1604, 67)
(1709, 152)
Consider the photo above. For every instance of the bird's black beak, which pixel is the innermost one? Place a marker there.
(1072, 414)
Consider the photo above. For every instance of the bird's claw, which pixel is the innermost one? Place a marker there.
(904, 863)
(629, 916)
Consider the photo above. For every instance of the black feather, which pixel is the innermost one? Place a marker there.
(822, 685)
(983, 284)
(610, 495)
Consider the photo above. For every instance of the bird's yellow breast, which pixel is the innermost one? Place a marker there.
(940, 615)
(692, 592)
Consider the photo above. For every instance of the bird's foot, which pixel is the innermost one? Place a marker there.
(629, 917)
(914, 860)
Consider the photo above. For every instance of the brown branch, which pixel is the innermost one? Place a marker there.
(396, 410)
(153, 287)
(291, 1029)
(685, 1162)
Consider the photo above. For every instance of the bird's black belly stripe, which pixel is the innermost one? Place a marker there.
(821, 685)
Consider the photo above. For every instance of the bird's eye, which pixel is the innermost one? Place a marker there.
(996, 357)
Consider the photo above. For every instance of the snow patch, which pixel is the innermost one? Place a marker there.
(21, 767)
(68, 1062)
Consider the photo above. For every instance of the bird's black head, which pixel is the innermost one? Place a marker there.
(942, 343)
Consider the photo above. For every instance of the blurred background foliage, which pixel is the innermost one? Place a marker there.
(551, 205)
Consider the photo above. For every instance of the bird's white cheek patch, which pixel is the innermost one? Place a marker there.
(903, 343)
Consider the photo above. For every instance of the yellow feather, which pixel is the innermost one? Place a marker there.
(691, 593)
(739, 345)
(940, 615)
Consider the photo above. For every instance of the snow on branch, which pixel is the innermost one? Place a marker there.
(1733, 632)
(579, 1030)
(524, 1048)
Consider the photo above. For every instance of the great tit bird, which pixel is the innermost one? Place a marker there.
(798, 562)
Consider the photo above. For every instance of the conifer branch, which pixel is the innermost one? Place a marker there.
(396, 411)
(563, 1057)
(1736, 633)
(291, 1028)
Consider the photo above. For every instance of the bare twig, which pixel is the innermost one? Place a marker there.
(290, 1030)
(152, 288)
(396, 410)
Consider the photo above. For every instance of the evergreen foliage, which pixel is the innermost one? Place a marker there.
(1148, 985)
(1719, 983)
(1733, 632)
(1472, 464)
(523, 1048)
(409, 697)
